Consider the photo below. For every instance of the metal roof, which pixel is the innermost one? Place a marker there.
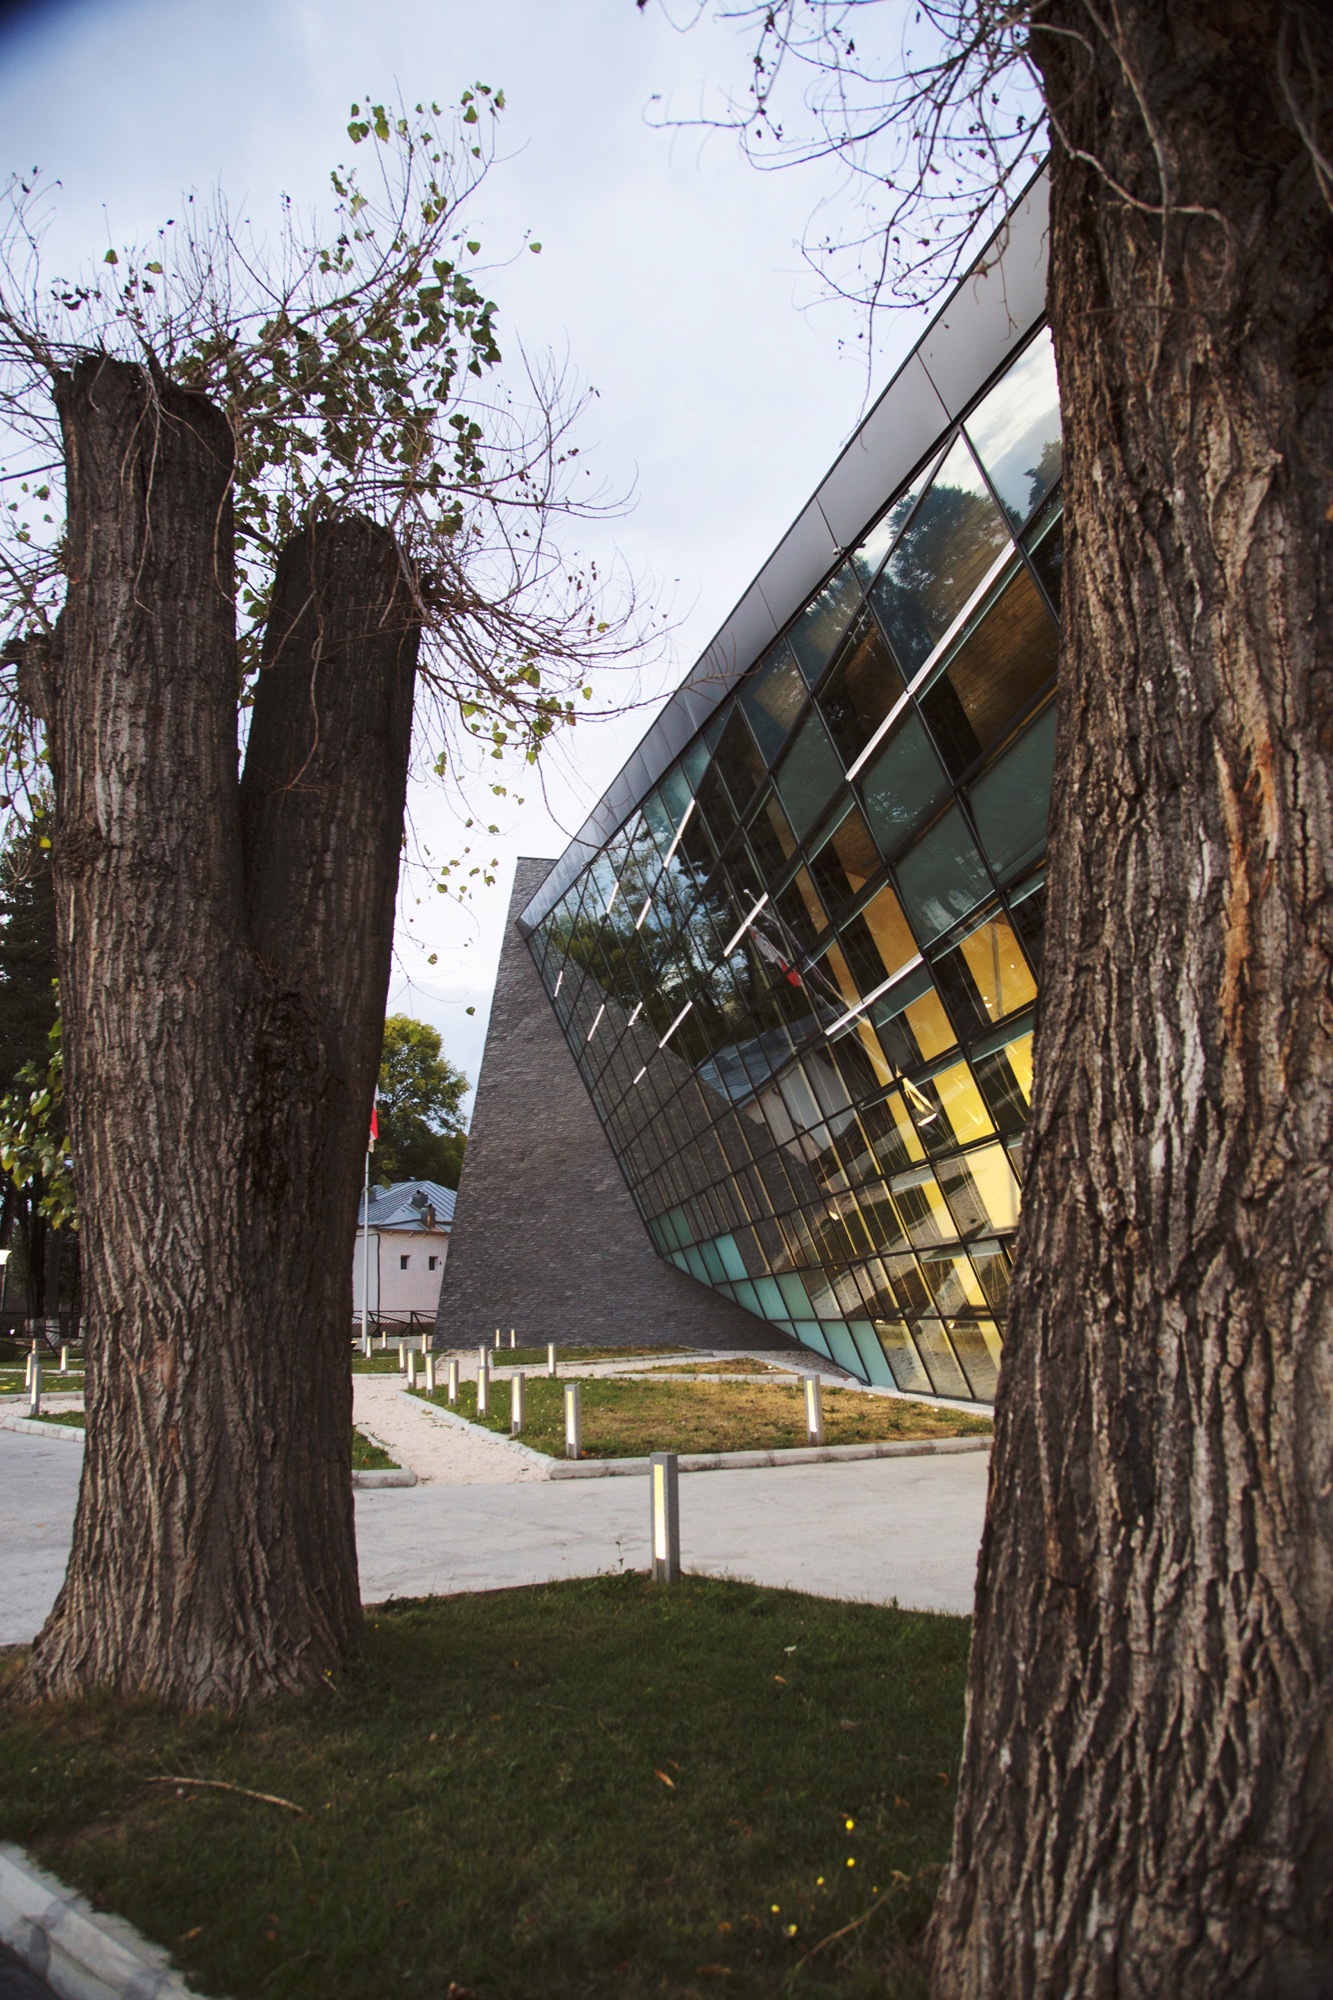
(403, 1206)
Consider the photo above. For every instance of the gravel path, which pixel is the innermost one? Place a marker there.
(440, 1449)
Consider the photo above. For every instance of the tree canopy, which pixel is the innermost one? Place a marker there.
(421, 1125)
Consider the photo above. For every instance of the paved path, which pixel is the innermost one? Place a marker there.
(877, 1529)
(441, 1450)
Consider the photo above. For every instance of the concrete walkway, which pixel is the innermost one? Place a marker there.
(875, 1529)
(440, 1449)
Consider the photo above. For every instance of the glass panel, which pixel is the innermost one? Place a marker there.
(1012, 802)
(902, 1357)
(815, 635)
(694, 761)
(842, 1347)
(902, 785)
(862, 690)
(939, 1358)
(982, 1190)
(1028, 906)
(998, 969)
(676, 793)
(992, 1269)
(963, 1106)
(772, 697)
(922, 1207)
(846, 860)
(1005, 1098)
(953, 1284)
(976, 1342)
(771, 838)
(942, 878)
(867, 558)
(1016, 430)
(1045, 544)
(800, 911)
(879, 941)
(1005, 660)
(833, 963)
(738, 760)
(809, 775)
(952, 540)
(873, 1361)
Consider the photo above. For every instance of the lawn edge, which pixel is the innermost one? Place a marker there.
(709, 1461)
(82, 1954)
(397, 1475)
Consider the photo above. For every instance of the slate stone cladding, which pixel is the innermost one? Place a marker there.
(546, 1237)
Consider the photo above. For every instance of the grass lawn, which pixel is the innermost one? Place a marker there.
(629, 1419)
(73, 1419)
(586, 1791)
(367, 1456)
(13, 1381)
(741, 1365)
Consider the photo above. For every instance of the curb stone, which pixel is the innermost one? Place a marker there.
(741, 1461)
(34, 1427)
(81, 1954)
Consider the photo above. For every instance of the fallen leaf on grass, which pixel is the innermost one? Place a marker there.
(663, 1776)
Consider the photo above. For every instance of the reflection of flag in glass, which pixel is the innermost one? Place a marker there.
(374, 1127)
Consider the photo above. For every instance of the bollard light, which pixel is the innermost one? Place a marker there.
(550, 1357)
(484, 1393)
(452, 1390)
(483, 1360)
(573, 1421)
(410, 1363)
(430, 1374)
(512, 1341)
(497, 1336)
(35, 1387)
(663, 1478)
(64, 1361)
(517, 1399)
(814, 1410)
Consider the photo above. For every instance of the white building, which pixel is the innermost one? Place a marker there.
(403, 1252)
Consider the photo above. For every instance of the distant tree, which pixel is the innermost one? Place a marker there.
(422, 1132)
(36, 1212)
(27, 949)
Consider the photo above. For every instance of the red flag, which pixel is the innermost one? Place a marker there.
(374, 1127)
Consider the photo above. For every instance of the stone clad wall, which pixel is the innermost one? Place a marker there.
(546, 1238)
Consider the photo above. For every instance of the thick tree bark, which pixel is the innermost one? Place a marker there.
(224, 955)
(1146, 1802)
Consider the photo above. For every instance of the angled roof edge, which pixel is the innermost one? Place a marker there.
(990, 312)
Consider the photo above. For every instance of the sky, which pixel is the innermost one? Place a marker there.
(670, 276)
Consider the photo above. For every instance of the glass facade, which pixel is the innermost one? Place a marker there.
(799, 979)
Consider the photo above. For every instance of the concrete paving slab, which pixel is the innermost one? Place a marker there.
(873, 1529)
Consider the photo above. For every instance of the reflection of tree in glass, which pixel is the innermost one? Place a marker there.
(1044, 473)
(939, 561)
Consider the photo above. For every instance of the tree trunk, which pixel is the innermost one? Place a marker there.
(222, 986)
(1146, 1802)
